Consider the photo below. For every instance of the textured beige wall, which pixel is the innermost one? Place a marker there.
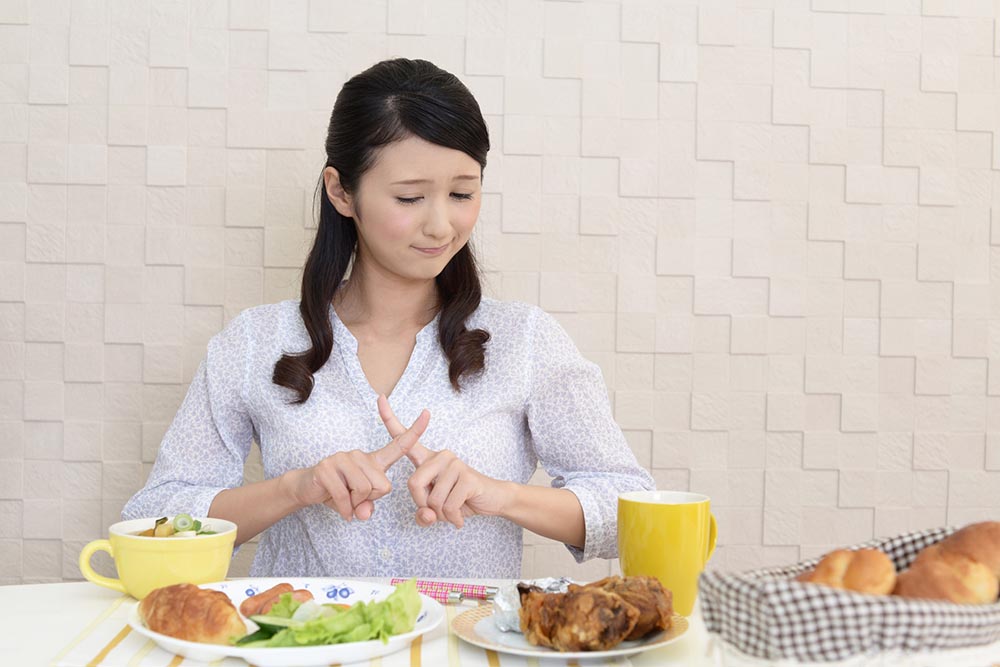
(771, 224)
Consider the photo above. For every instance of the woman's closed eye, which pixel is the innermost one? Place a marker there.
(460, 196)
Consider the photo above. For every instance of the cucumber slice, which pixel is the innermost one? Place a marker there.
(274, 623)
(260, 636)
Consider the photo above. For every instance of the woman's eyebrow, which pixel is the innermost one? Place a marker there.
(414, 181)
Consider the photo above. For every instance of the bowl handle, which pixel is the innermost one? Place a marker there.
(88, 571)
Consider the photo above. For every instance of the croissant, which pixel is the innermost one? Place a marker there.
(195, 614)
(963, 567)
(864, 571)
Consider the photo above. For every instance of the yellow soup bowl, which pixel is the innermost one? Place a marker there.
(146, 563)
(669, 535)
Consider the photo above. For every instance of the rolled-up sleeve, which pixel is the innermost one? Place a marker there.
(206, 446)
(576, 437)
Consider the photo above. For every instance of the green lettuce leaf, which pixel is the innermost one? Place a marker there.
(284, 607)
(363, 621)
(400, 609)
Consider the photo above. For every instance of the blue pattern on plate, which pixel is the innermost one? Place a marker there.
(339, 590)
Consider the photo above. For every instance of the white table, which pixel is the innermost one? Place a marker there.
(39, 622)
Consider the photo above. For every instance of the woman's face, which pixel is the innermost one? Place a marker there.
(414, 209)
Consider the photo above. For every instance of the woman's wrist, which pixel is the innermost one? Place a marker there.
(288, 485)
(510, 496)
(256, 507)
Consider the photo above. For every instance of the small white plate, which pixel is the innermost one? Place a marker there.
(342, 591)
(476, 626)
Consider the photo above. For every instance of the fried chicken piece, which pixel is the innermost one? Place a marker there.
(196, 614)
(647, 594)
(581, 619)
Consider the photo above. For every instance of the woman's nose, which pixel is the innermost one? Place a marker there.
(437, 223)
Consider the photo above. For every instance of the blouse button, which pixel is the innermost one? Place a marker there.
(384, 553)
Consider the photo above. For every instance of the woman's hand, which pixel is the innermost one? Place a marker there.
(350, 482)
(443, 486)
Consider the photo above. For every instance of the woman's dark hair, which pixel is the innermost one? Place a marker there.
(390, 101)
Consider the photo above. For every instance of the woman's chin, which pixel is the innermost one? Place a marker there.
(422, 273)
(427, 268)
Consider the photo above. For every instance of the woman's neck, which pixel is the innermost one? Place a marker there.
(385, 303)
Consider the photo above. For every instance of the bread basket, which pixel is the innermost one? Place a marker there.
(766, 614)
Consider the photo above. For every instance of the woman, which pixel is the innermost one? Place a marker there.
(487, 388)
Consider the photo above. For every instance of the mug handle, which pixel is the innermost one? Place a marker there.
(88, 571)
(713, 531)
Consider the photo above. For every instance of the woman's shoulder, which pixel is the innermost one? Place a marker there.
(271, 313)
(525, 319)
(525, 333)
(518, 325)
(266, 322)
(497, 313)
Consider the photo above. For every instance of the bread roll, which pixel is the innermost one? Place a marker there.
(963, 567)
(950, 577)
(979, 542)
(864, 571)
(195, 614)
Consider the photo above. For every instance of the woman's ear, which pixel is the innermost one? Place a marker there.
(335, 192)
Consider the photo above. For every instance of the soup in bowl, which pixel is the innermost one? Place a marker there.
(145, 562)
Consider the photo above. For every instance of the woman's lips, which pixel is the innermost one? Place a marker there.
(431, 252)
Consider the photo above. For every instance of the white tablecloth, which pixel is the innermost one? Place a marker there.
(80, 624)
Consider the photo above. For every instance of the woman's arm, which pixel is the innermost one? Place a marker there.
(199, 466)
(256, 507)
(574, 434)
(553, 513)
(208, 441)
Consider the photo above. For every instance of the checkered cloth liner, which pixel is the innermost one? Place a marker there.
(765, 614)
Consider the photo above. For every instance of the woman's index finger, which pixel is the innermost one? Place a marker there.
(418, 454)
(392, 452)
(392, 424)
(402, 444)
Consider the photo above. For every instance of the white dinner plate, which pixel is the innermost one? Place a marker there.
(476, 626)
(342, 591)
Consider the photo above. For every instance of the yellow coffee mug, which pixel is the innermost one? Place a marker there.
(146, 563)
(669, 535)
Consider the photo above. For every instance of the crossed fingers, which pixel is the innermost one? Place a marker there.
(353, 480)
(441, 483)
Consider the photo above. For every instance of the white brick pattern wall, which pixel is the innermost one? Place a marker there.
(770, 223)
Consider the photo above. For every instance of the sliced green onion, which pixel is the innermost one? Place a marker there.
(183, 522)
